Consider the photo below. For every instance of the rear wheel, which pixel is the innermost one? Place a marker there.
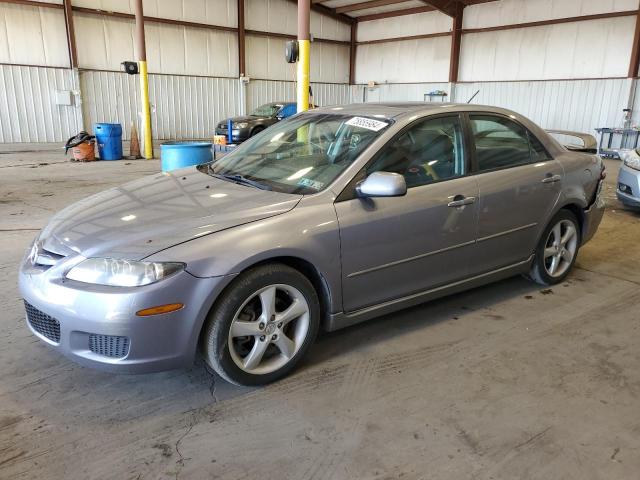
(262, 325)
(557, 251)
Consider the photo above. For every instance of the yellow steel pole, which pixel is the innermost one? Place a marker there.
(144, 80)
(304, 45)
(303, 75)
(146, 110)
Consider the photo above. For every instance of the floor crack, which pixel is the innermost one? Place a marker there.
(608, 275)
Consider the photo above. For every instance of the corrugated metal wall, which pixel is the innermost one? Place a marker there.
(187, 106)
(263, 91)
(28, 110)
(181, 106)
(581, 105)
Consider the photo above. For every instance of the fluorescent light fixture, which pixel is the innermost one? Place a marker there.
(128, 218)
(218, 195)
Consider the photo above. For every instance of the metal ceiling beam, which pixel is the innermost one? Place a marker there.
(394, 13)
(448, 7)
(369, 4)
(330, 12)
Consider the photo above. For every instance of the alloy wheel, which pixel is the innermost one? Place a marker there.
(269, 329)
(560, 248)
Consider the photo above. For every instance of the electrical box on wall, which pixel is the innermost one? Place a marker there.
(64, 97)
(245, 79)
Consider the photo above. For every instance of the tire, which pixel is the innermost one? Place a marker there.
(256, 131)
(246, 345)
(551, 268)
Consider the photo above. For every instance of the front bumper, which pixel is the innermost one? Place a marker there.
(91, 315)
(237, 135)
(630, 180)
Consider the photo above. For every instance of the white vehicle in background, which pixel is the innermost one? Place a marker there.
(628, 188)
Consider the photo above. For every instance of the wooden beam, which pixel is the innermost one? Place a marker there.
(368, 4)
(71, 34)
(634, 64)
(352, 53)
(456, 40)
(394, 13)
(242, 70)
(448, 7)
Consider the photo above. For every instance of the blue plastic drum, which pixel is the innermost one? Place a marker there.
(109, 139)
(174, 155)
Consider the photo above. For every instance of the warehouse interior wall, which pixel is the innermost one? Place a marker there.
(568, 75)
(194, 70)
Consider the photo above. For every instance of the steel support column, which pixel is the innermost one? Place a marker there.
(634, 64)
(141, 49)
(456, 40)
(241, 40)
(352, 53)
(71, 33)
(304, 43)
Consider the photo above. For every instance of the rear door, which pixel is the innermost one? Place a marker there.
(395, 246)
(519, 184)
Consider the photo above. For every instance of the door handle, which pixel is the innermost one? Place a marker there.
(551, 178)
(460, 201)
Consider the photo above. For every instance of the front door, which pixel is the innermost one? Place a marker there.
(396, 246)
(519, 186)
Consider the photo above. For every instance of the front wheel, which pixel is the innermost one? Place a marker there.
(557, 251)
(262, 325)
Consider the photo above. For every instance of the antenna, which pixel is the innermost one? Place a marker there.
(474, 96)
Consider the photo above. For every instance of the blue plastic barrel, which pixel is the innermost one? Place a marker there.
(109, 137)
(174, 155)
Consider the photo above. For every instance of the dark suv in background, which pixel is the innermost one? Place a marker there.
(262, 117)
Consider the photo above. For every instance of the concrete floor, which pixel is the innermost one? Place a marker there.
(503, 382)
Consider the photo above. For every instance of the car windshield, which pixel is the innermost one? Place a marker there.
(302, 154)
(268, 110)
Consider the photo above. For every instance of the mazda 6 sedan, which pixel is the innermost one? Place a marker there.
(324, 220)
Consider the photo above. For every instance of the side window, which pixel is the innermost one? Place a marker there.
(538, 152)
(500, 142)
(429, 151)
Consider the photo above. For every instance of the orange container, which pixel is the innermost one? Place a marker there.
(85, 152)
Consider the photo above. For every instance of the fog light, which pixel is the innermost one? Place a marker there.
(625, 188)
(160, 309)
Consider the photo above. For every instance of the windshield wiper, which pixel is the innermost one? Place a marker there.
(240, 180)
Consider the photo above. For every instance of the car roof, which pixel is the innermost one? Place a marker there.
(398, 109)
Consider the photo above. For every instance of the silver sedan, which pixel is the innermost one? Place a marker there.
(327, 219)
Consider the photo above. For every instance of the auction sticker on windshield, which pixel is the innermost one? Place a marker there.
(368, 123)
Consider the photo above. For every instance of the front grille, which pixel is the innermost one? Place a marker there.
(42, 323)
(109, 345)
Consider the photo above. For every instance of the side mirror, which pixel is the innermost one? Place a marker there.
(382, 184)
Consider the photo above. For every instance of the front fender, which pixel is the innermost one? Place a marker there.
(308, 232)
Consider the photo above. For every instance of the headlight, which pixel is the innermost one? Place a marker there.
(240, 125)
(631, 159)
(121, 273)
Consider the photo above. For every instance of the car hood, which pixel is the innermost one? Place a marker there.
(156, 212)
